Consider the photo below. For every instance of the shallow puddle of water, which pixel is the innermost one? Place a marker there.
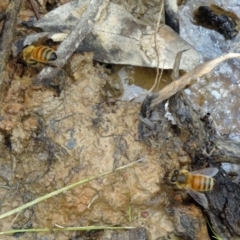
(136, 81)
(218, 93)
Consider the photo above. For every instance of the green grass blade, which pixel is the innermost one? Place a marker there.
(88, 228)
(40, 199)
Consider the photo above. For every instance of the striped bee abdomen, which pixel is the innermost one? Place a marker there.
(44, 54)
(202, 183)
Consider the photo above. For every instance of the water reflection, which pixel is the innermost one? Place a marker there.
(219, 92)
(136, 81)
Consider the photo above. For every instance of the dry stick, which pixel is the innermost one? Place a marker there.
(187, 78)
(7, 38)
(34, 9)
(157, 79)
(72, 41)
(10, 225)
(175, 72)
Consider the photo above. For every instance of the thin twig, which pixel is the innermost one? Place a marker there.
(175, 72)
(94, 198)
(187, 78)
(35, 9)
(157, 80)
(13, 221)
(6, 39)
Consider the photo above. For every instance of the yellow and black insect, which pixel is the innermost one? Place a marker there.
(195, 182)
(32, 55)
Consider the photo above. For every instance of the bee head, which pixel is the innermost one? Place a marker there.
(174, 176)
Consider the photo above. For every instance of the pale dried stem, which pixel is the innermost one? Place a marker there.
(188, 78)
(158, 78)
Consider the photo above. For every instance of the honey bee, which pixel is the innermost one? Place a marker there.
(38, 54)
(195, 182)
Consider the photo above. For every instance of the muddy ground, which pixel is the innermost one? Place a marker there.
(50, 141)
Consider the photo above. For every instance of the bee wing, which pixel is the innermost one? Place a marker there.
(200, 198)
(208, 172)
